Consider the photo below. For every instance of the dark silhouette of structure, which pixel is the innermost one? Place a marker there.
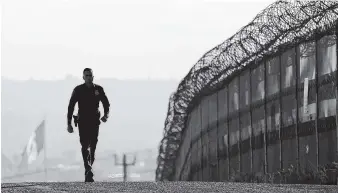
(261, 102)
(125, 165)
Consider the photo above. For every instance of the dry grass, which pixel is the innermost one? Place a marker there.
(325, 175)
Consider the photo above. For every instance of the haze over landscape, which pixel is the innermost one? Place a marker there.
(139, 51)
(26, 103)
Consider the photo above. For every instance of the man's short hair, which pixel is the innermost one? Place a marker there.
(87, 69)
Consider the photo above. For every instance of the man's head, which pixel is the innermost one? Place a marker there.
(88, 75)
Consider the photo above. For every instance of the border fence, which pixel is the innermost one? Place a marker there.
(261, 106)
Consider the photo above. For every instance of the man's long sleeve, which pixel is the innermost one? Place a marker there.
(71, 105)
(105, 102)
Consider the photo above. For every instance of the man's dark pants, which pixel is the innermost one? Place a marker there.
(88, 132)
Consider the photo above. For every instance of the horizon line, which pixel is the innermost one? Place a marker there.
(71, 77)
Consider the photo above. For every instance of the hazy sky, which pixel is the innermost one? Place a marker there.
(125, 39)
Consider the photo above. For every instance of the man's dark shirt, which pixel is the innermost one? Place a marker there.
(88, 99)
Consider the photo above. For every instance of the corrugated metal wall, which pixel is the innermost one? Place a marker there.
(278, 114)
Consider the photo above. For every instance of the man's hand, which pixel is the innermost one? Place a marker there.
(70, 128)
(76, 119)
(104, 118)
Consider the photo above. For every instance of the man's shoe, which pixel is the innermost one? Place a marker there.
(89, 176)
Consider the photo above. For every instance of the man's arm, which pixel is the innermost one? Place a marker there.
(71, 105)
(105, 102)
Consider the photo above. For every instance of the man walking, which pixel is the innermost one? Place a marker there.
(88, 97)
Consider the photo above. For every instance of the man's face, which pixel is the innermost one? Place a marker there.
(88, 76)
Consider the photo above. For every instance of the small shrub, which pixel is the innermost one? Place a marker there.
(325, 175)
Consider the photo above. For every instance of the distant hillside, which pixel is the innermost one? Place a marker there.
(138, 110)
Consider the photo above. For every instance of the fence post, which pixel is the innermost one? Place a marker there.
(281, 114)
(317, 105)
(336, 33)
(297, 108)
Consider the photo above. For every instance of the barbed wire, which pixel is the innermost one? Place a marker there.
(280, 26)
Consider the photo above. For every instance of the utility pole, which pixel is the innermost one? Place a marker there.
(125, 165)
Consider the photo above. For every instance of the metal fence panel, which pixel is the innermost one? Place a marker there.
(234, 127)
(288, 131)
(327, 65)
(272, 76)
(194, 161)
(273, 138)
(194, 156)
(223, 154)
(245, 122)
(258, 125)
(233, 96)
(205, 164)
(205, 138)
(257, 83)
(245, 146)
(194, 123)
(306, 56)
(234, 152)
(244, 101)
(213, 157)
(258, 119)
(199, 143)
(273, 114)
(288, 69)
